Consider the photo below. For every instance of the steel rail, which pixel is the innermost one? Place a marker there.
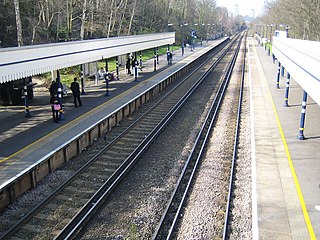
(32, 212)
(235, 144)
(200, 140)
(74, 226)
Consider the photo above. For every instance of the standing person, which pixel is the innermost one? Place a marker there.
(133, 64)
(75, 88)
(53, 88)
(170, 58)
(182, 49)
(55, 107)
(128, 66)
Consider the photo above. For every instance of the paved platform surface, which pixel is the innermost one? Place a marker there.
(286, 169)
(25, 141)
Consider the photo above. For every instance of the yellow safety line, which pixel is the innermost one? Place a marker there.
(14, 154)
(293, 172)
(62, 127)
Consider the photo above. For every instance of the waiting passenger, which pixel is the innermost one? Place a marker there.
(75, 88)
(128, 66)
(55, 107)
(53, 88)
(101, 73)
(170, 58)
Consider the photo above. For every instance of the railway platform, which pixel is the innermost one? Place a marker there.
(25, 141)
(286, 190)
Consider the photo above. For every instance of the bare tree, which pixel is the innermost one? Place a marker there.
(37, 24)
(48, 20)
(132, 16)
(83, 19)
(110, 18)
(122, 17)
(302, 16)
(18, 23)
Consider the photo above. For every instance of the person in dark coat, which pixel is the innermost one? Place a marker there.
(75, 88)
(128, 66)
(53, 88)
(133, 63)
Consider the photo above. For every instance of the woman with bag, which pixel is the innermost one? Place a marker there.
(55, 107)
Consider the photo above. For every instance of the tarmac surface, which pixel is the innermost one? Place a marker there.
(25, 142)
(17, 131)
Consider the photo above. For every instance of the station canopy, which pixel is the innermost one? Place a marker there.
(21, 62)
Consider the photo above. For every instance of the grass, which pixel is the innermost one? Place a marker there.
(133, 232)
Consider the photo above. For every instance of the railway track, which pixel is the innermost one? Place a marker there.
(169, 223)
(235, 147)
(60, 214)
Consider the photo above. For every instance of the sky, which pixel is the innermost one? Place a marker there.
(245, 6)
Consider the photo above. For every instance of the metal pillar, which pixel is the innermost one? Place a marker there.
(82, 80)
(278, 75)
(140, 61)
(117, 67)
(106, 77)
(27, 113)
(155, 60)
(282, 71)
(135, 69)
(157, 55)
(61, 116)
(286, 97)
(303, 116)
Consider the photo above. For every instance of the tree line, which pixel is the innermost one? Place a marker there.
(26, 22)
(300, 17)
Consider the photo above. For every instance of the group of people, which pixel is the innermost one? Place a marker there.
(102, 74)
(56, 98)
(131, 62)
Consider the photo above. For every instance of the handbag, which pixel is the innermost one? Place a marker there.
(56, 107)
